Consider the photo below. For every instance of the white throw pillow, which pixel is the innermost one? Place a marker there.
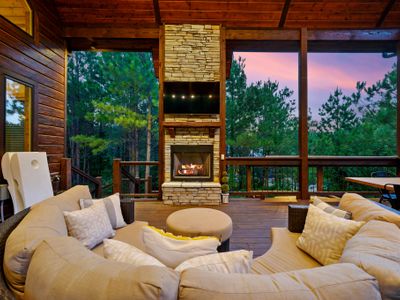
(330, 209)
(90, 225)
(227, 262)
(123, 252)
(172, 250)
(113, 206)
(325, 235)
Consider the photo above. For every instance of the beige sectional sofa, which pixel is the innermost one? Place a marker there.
(42, 262)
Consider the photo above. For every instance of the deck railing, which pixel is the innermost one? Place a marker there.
(279, 175)
(122, 173)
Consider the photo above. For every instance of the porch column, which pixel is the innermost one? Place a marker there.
(303, 111)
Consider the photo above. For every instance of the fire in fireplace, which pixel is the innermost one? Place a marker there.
(191, 163)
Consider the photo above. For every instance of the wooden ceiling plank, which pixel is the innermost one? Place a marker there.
(284, 13)
(100, 32)
(243, 34)
(385, 13)
(157, 14)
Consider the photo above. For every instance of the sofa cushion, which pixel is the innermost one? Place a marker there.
(113, 206)
(325, 235)
(376, 249)
(238, 261)
(339, 281)
(62, 268)
(68, 200)
(131, 234)
(90, 225)
(283, 255)
(123, 252)
(39, 224)
(172, 250)
(363, 209)
(331, 210)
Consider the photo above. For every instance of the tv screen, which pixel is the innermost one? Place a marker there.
(191, 97)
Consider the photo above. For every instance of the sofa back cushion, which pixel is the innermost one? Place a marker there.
(39, 224)
(363, 209)
(68, 200)
(339, 281)
(376, 249)
(63, 268)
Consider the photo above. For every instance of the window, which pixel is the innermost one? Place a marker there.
(19, 13)
(18, 116)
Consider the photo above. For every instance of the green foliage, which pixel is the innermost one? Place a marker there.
(97, 145)
(224, 181)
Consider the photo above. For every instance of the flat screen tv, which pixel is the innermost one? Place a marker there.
(191, 97)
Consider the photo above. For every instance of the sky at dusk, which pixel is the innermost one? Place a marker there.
(326, 71)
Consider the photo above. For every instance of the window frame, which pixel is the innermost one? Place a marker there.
(4, 75)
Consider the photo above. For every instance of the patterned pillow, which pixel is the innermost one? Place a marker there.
(228, 262)
(325, 235)
(90, 225)
(123, 252)
(172, 250)
(113, 206)
(331, 210)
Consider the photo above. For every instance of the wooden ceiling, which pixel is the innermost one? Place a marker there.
(323, 14)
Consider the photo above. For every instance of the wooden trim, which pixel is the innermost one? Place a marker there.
(284, 13)
(385, 12)
(286, 161)
(303, 115)
(157, 14)
(222, 104)
(161, 137)
(2, 117)
(101, 32)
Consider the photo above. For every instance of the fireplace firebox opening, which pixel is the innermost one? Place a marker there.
(191, 163)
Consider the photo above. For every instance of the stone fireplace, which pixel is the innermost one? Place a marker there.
(192, 149)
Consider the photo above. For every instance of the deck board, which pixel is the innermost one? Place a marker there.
(252, 220)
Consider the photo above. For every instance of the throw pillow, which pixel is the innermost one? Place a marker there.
(228, 262)
(90, 225)
(113, 206)
(375, 249)
(325, 235)
(123, 252)
(172, 250)
(331, 210)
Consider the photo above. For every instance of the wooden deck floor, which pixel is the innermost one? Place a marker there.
(252, 220)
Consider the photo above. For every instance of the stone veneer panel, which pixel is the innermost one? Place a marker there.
(190, 193)
(191, 136)
(192, 52)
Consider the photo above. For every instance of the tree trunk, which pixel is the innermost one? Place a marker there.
(148, 141)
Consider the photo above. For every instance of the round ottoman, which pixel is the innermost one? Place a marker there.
(201, 221)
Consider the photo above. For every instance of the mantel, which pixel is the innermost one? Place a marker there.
(170, 126)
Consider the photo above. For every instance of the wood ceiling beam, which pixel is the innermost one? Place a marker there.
(284, 13)
(102, 32)
(385, 12)
(157, 14)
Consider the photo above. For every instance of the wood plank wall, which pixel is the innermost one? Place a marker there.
(41, 61)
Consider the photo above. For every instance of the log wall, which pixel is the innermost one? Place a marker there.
(40, 61)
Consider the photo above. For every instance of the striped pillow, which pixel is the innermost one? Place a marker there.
(331, 210)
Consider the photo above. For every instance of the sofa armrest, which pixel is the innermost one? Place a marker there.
(128, 210)
(297, 217)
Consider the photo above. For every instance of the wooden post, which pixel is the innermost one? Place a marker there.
(116, 180)
(161, 134)
(136, 185)
(320, 178)
(303, 111)
(149, 184)
(222, 103)
(99, 187)
(66, 176)
(248, 178)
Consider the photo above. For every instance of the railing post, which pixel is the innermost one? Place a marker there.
(320, 178)
(149, 184)
(136, 185)
(65, 170)
(116, 180)
(99, 188)
(248, 178)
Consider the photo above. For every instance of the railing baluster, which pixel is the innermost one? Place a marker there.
(116, 175)
(320, 178)
(248, 178)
